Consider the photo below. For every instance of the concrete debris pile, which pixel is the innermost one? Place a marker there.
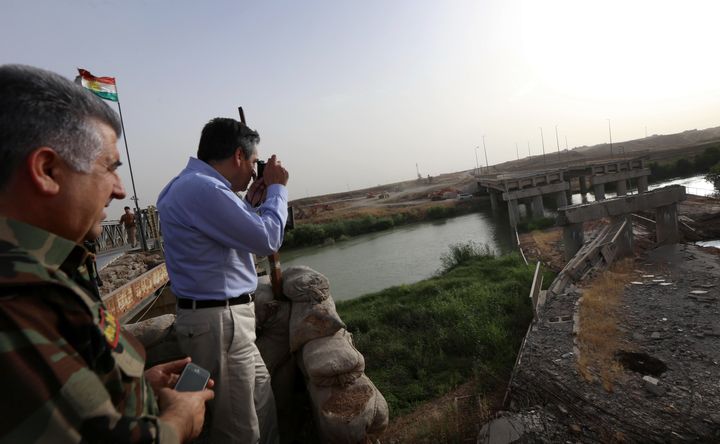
(126, 268)
(306, 332)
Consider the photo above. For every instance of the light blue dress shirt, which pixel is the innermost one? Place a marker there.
(209, 233)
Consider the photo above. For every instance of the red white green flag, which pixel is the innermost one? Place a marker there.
(101, 86)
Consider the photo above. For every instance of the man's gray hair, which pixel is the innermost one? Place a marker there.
(249, 145)
(40, 108)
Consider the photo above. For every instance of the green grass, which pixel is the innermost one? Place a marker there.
(535, 224)
(422, 340)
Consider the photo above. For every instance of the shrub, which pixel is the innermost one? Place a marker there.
(713, 176)
(460, 253)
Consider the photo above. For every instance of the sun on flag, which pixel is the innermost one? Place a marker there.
(101, 86)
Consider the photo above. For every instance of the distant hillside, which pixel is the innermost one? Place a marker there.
(660, 142)
(655, 147)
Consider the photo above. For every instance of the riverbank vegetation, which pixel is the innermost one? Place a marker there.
(422, 340)
(315, 234)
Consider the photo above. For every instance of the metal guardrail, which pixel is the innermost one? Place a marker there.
(522, 253)
(535, 290)
(113, 234)
(534, 297)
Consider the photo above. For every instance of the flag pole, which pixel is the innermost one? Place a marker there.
(143, 239)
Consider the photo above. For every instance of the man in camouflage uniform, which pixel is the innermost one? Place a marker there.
(69, 374)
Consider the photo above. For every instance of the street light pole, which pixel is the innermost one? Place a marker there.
(542, 139)
(477, 165)
(610, 132)
(487, 165)
(517, 152)
(557, 141)
(529, 154)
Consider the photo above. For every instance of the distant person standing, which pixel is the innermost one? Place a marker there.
(210, 235)
(128, 221)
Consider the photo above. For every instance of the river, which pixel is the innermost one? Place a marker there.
(402, 255)
(410, 253)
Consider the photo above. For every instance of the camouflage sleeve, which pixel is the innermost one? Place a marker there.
(50, 393)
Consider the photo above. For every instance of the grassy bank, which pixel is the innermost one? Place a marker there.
(422, 340)
(314, 234)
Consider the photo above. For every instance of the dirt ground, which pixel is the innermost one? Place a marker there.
(384, 200)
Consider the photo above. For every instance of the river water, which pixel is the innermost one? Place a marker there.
(402, 255)
(408, 254)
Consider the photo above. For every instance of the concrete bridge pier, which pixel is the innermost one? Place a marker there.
(493, 200)
(642, 183)
(583, 185)
(561, 199)
(537, 207)
(666, 224)
(599, 191)
(513, 212)
(621, 187)
(573, 239)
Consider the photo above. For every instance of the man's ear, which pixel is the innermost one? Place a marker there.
(44, 167)
(239, 156)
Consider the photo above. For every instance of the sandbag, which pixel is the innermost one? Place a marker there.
(265, 304)
(332, 360)
(151, 331)
(158, 337)
(310, 320)
(303, 284)
(350, 414)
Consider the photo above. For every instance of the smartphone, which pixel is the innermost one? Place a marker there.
(192, 379)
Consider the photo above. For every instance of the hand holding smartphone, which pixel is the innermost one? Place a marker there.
(192, 379)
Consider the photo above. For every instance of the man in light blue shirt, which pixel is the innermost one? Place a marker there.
(210, 235)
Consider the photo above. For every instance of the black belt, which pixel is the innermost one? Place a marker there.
(188, 303)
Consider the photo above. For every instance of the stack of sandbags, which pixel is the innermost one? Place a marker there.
(272, 319)
(158, 337)
(347, 407)
(313, 313)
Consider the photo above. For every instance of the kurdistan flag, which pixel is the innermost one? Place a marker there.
(101, 86)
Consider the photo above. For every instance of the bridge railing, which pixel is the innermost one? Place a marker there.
(113, 234)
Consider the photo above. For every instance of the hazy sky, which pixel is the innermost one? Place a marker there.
(351, 94)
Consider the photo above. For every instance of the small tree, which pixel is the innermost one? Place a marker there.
(714, 176)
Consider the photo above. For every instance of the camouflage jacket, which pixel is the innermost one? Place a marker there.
(69, 374)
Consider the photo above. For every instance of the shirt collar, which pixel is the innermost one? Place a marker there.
(197, 165)
(48, 249)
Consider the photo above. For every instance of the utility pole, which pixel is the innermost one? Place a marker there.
(557, 141)
(477, 165)
(646, 131)
(610, 132)
(566, 146)
(517, 152)
(487, 165)
(529, 155)
(542, 139)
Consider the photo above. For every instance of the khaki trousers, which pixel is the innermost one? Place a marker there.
(222, 340)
